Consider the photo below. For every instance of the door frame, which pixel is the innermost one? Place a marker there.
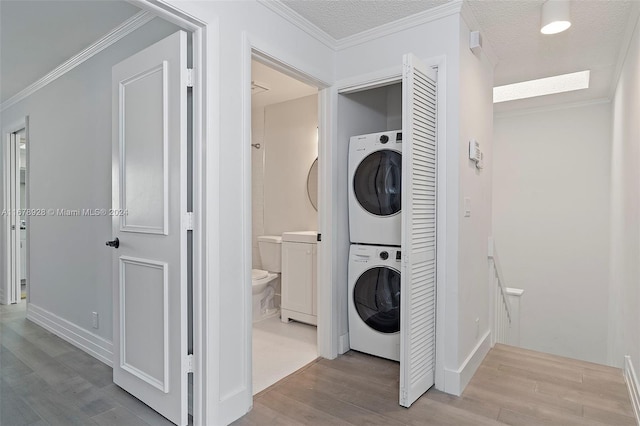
(204, 354)
(392, 75)
(327, 341)
(21, 124)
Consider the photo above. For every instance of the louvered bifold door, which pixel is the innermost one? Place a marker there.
(418, 278)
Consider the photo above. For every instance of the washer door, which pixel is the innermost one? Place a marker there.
(376, 296)
(377, 182)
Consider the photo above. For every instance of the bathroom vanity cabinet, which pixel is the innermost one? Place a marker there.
(299, 271)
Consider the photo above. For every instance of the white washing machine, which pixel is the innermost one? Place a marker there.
(375, 171)
(374, 300)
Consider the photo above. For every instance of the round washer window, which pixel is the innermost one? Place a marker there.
(377, 299)
(376, 182)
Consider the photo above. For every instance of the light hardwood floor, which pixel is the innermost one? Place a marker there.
(513, 386)
(46, 381)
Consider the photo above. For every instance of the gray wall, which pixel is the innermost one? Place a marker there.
(70, 168)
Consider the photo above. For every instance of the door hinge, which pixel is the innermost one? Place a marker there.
(189, 77)
(188, 221)
(189, 366)
(319, 238)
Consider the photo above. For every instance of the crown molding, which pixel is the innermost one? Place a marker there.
(549, 108)
(119, 32)
(442, 11)
(632, 24)
(402, 24)
(279, 8)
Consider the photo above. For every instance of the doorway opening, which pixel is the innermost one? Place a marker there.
(284, 205)
(16, 216)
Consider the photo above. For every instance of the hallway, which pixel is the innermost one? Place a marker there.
(513, 386)
(46, 381)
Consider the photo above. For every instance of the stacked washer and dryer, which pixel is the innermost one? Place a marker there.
(375, 171)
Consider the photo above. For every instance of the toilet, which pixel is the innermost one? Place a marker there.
(265, 282)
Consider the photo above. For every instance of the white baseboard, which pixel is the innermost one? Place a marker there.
(633, 385)
(456, 380)
(96, 346)
(343, 344)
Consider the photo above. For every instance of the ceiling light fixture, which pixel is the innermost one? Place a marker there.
(556, 16)
(543, 86)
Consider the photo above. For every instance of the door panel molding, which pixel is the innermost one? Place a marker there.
(159, 383)
(138, 134)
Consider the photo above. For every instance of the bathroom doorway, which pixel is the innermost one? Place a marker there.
(284, 206)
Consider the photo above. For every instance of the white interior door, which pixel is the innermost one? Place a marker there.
(418, 278)
(11, 286)
(150, 205)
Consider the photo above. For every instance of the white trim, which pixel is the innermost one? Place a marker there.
(330, 343)
(96, 346)
(516, 292)
(548, 108)
(299, 21)
(457, 380)
(162, 68)
(442, 238)
(633, 385)
(402, 24)
(451, 8)
(119, 32)
(246, 394)
(343, 344)
(632, 24)
(162, 385)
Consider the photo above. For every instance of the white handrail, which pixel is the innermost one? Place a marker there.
(503, 289)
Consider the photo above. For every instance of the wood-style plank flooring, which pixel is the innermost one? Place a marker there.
(512, 386)
(46, 381)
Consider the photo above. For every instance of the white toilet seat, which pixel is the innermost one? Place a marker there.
(258, 274)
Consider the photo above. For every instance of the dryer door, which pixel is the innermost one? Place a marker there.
(377, 182)
(376, 296)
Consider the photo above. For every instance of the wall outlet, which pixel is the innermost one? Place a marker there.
(94, 319)
(477, 327)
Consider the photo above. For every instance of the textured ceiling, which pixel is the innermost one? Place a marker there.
(593, 42)
(281, 87)
(37, 36)
(512, 29)
(342, 18)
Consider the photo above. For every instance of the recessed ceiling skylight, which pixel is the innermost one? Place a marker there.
(543, 86)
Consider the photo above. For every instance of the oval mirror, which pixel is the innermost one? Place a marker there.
(312, 184)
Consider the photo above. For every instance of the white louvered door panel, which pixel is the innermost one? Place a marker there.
(418, 279)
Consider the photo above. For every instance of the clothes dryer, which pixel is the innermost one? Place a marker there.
(375, 170)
